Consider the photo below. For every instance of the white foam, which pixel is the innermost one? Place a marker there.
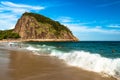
(85, 60)
(32, 48)
(91, 62)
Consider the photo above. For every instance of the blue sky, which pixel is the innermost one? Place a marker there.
(87, 19)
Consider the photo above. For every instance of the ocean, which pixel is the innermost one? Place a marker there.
(98, 56)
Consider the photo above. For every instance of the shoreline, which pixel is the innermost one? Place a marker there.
(19, 49)
(26, 65)
(38, 40)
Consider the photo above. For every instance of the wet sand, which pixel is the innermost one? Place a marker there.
(19, 65)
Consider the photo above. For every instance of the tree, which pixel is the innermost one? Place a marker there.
(8, 34)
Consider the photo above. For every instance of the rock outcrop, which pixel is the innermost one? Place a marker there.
(36, 26)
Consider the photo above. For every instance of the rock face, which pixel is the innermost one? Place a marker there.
(36, 26)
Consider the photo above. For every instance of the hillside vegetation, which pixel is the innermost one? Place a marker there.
(8, 34)
(42, 19)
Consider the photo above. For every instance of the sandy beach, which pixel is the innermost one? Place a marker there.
(23, 65)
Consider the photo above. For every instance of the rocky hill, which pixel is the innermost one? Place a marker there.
(36, 26)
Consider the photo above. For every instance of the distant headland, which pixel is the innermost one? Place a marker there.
(36, 27)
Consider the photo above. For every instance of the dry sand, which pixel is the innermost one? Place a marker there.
(16, 65)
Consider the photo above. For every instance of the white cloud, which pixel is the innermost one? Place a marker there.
(84, 32)
(7, 20)
(9, 6)
(10, 12)
(79, 27)
(64, 19)
(97, 29)
(114, 26)
(93, 33)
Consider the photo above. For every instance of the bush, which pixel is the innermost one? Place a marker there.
(8, 34)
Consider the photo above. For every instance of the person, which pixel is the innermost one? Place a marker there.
(10, 45)
(113, 51)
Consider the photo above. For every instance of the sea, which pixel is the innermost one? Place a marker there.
(98, 56)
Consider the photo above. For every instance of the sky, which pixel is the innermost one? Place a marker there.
(89, 20)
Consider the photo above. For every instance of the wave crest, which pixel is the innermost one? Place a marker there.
(85, 60)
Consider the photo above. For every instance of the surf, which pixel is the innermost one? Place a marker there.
(82, 59)
(78, 58)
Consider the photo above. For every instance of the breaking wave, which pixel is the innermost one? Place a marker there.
(85, 60)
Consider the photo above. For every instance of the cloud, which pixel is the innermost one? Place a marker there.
(91, 30)
(10, 4)
(7, 21)
(85, 30)
(93, 33)
(114, 26)
(97, 29)
(10, 12)
(80, 27)
(86, 23)
(109, 4)
(64, 19)
(12, 7)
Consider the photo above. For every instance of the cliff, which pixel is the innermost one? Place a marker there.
(36, 26)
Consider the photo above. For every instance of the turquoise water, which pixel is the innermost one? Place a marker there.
(109, 49)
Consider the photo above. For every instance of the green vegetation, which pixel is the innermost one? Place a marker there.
(42, 19)
(8, 34)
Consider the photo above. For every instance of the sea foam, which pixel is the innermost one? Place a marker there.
(92, 62)
(85, 60)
